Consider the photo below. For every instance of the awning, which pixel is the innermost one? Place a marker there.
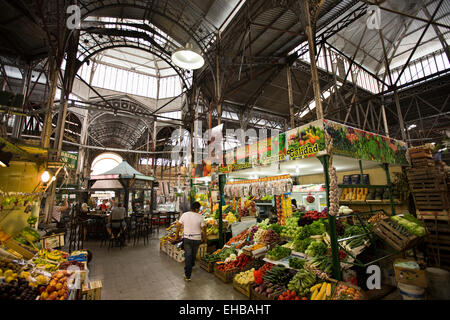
(107, 184)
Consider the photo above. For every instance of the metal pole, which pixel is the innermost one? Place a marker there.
(331, 222)
(222, 181)
(400, 116)
(313, 66)
(385, 166)
(19, 120)
(291, 99)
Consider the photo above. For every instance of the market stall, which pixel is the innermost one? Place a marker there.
(321, 246)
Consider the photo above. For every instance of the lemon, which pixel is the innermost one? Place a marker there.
(9, 279)
(14, 275)
(8, 273)
(1, 273)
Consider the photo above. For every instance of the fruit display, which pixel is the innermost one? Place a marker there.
(279, 274)
(45, 264)
(245, 277)
(358, 194)
(347, 292)
(270, 290)
(302, 282)
(18, 289)
(66, 264)
(291, 228)
(278, 252)
(230, 218)
(58, 288)
(296, 263)
(290, 295)
(321, 291)
(53, 255)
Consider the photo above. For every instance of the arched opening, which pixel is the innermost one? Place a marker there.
(105, 162)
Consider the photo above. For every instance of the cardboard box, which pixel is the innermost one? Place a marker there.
(410, 276)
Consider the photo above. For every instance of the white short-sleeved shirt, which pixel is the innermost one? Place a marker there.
(193, 223)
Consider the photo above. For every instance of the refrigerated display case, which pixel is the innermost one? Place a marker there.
(301, 192)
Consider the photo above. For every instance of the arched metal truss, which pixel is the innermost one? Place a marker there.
(190, 22)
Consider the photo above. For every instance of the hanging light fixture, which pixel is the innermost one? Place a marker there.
(45, 177)
(188, 58)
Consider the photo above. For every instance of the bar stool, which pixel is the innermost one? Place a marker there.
(142, 229)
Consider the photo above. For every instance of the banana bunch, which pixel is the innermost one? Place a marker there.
(301, 282)
(321, 291)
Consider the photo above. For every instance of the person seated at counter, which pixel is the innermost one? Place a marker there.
(104, 205)
(116, 220)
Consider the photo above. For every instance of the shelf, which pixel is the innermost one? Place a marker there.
(369, 186)
(369, 202)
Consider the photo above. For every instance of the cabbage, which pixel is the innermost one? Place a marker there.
(412, 227)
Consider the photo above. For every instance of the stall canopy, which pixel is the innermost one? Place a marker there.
(112, 179)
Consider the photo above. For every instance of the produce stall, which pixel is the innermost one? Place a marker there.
(329, 241)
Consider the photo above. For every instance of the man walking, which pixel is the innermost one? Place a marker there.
(193, 235)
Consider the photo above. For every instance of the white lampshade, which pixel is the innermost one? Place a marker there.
(45, 176)
(188, 58)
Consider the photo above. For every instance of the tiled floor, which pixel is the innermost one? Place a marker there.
(143, 272)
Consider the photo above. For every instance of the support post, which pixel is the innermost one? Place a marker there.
(291, 99)
(400, 116)
(222, 181)
(312, 58)
(20, 120)
(385, 166)
(331, 221)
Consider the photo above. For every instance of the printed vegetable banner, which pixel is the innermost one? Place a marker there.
(272, 150)
(306, 141)
(360, 144)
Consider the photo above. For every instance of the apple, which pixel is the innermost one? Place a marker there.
(61, 292)
(44, 295)
(58, 286)
(53, 296)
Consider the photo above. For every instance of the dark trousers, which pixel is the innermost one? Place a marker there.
(190, 254)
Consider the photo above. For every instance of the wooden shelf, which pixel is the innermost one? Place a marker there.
(368, 202)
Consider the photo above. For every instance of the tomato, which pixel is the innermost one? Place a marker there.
(312, 140)
(304, 298)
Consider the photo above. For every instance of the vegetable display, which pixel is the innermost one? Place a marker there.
(411, 224)
(316, 248)
(278, 252)
(269, 289)
(316, 215)
(240, 263)
(300, 245)
(290, 295)
(279, 274)
(246, 277)
(296, 263)
(321, 291)
(302, 282)
(291, 228)
(270, 237)
(345, 292)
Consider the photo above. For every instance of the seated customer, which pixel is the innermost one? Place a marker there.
(117, 213)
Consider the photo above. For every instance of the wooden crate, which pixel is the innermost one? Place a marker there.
(226, 277)
(202, 251)
(394, 238)
(207, 266)
(244, 289)
(435, 201)
(53, 241)
(433, 215)
(92, 290)
(420, 152)
(257, 296)
(26, 252)
(422, 162)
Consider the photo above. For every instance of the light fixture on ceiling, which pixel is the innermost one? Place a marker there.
(188, 58)
(45, 177)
